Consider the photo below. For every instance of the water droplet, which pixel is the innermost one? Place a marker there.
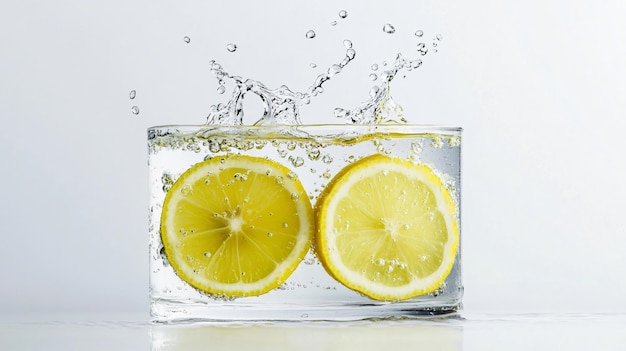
(269, 234)
(132, 94)
(374, 91)
(439, 37)
(207, 254)
(347, 44)
(312, 65)
(373, 76)
(310, 34)
(326, 174)
(350, 54)
(231, 47)
(294, 197)
(221, 89)
(334, 69)
(333, 23)
(279, 180)
(343, 13)
(422, 49)
(374, 67)
(187, 39)
(419, 33)
(327, 159)
(389, 29)
(134, 110)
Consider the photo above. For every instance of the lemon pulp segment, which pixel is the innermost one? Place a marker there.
(236, 225)
(387, 228)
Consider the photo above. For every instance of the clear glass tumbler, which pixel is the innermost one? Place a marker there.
(305, 222)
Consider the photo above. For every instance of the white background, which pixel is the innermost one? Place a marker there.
(538, 86)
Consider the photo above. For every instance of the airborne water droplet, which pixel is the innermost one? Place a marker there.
(419, 33)
(343, 13)
(221, 89)
(132, 94)
(310, 34)
(374, 67)
(187, 39)
(389, 29)
(231, 47)
(347, 44)
(422, 49)
(333, 23)
(134, 110)
(312, 65)
(373, 76)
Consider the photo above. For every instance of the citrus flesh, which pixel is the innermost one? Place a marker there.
(236, 225)
(387, 228)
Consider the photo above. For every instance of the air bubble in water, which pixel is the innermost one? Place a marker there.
(419, 33)
(187, 40)
(389, 29)
(310, 34)
(343, 13)
(231, 47)
(134, 110)
(132, 94)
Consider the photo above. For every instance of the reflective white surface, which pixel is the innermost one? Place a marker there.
(471, 332)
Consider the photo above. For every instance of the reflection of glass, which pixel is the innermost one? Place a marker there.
(313, 156)
(378, 336)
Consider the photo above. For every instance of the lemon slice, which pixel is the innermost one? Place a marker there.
(387, 228)
(236, 226)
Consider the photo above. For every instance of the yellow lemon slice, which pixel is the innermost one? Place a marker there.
(236, 226)
(387, 228)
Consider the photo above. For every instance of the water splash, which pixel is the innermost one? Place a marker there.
(280, 106)
(380, 108)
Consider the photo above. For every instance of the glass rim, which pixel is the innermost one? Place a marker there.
(425, 128)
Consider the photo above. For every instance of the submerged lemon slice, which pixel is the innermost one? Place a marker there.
(236, 226)
(387, 228)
